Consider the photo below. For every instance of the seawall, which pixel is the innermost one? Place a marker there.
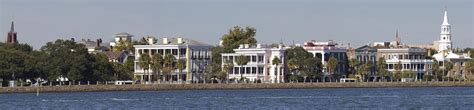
(163, 87)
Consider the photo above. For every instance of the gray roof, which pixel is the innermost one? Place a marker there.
(366, 48)
(174, 41)
(123, 34)
(114, 55)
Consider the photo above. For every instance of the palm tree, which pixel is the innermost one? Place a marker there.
(168, 64)
(381, 68)
(157, 65)
(448, 66)
(144, 64)
(225, 70)
(364, 70)
(276, 61)
(353, 65)
(436, 70)
(331, 65)
(241, 61)
(181, 64)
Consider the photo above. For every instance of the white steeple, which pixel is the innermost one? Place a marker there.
(445, 35)
(445, 20)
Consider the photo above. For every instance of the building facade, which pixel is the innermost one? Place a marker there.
(367, 54)
(196, 54)
(121, 37)
(326, 50)
(411, 59)
(260, 66)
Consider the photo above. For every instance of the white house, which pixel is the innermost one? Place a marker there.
(410, 58)
(260, 66)
(196, 54)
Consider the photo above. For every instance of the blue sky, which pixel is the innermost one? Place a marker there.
(345, 21)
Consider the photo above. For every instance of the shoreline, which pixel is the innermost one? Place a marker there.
(166, 87)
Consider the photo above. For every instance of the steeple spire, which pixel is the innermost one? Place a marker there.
(397, 38)
(12, 29)
(445, 20)
(444, 43)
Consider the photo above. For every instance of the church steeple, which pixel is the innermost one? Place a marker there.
(11, 36)
(397, 38)
(444, 43)
(12, 29)
(445, 20)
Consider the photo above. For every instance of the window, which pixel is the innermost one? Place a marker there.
(242, 70)
(254, 58)
(236, 70)
(254, 70)
(247, 70)
(182, 51)
(260, 70)
(260, 58)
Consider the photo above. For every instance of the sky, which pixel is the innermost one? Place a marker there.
(357, 22)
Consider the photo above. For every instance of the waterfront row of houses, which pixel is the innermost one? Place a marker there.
(260, 68)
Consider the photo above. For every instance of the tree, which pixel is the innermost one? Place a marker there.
(331, 65)
(241, 61)
(156, 64)
(129, 64)
(398, 68)
(276, 61)
(70, 60)
(293, 66)
(121, 72)
(237, 36)
(448, 66)
(365, 69)
(382, 68)
(311, 67)
(408, 74)
(436, 70)
(168, 65)
(145, 61)
(353, 65)
(123, 46)
(180, 65)
(299, 62)
(228, 65)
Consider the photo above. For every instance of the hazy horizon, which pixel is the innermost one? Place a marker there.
(345, 21)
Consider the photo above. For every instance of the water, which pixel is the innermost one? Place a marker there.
(337, 98)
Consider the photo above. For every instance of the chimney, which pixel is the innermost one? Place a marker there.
(165, 40)
(151, 40)
(241, 46)
(246, 45)
(259, 46)
(97, 43)
(180, 40)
